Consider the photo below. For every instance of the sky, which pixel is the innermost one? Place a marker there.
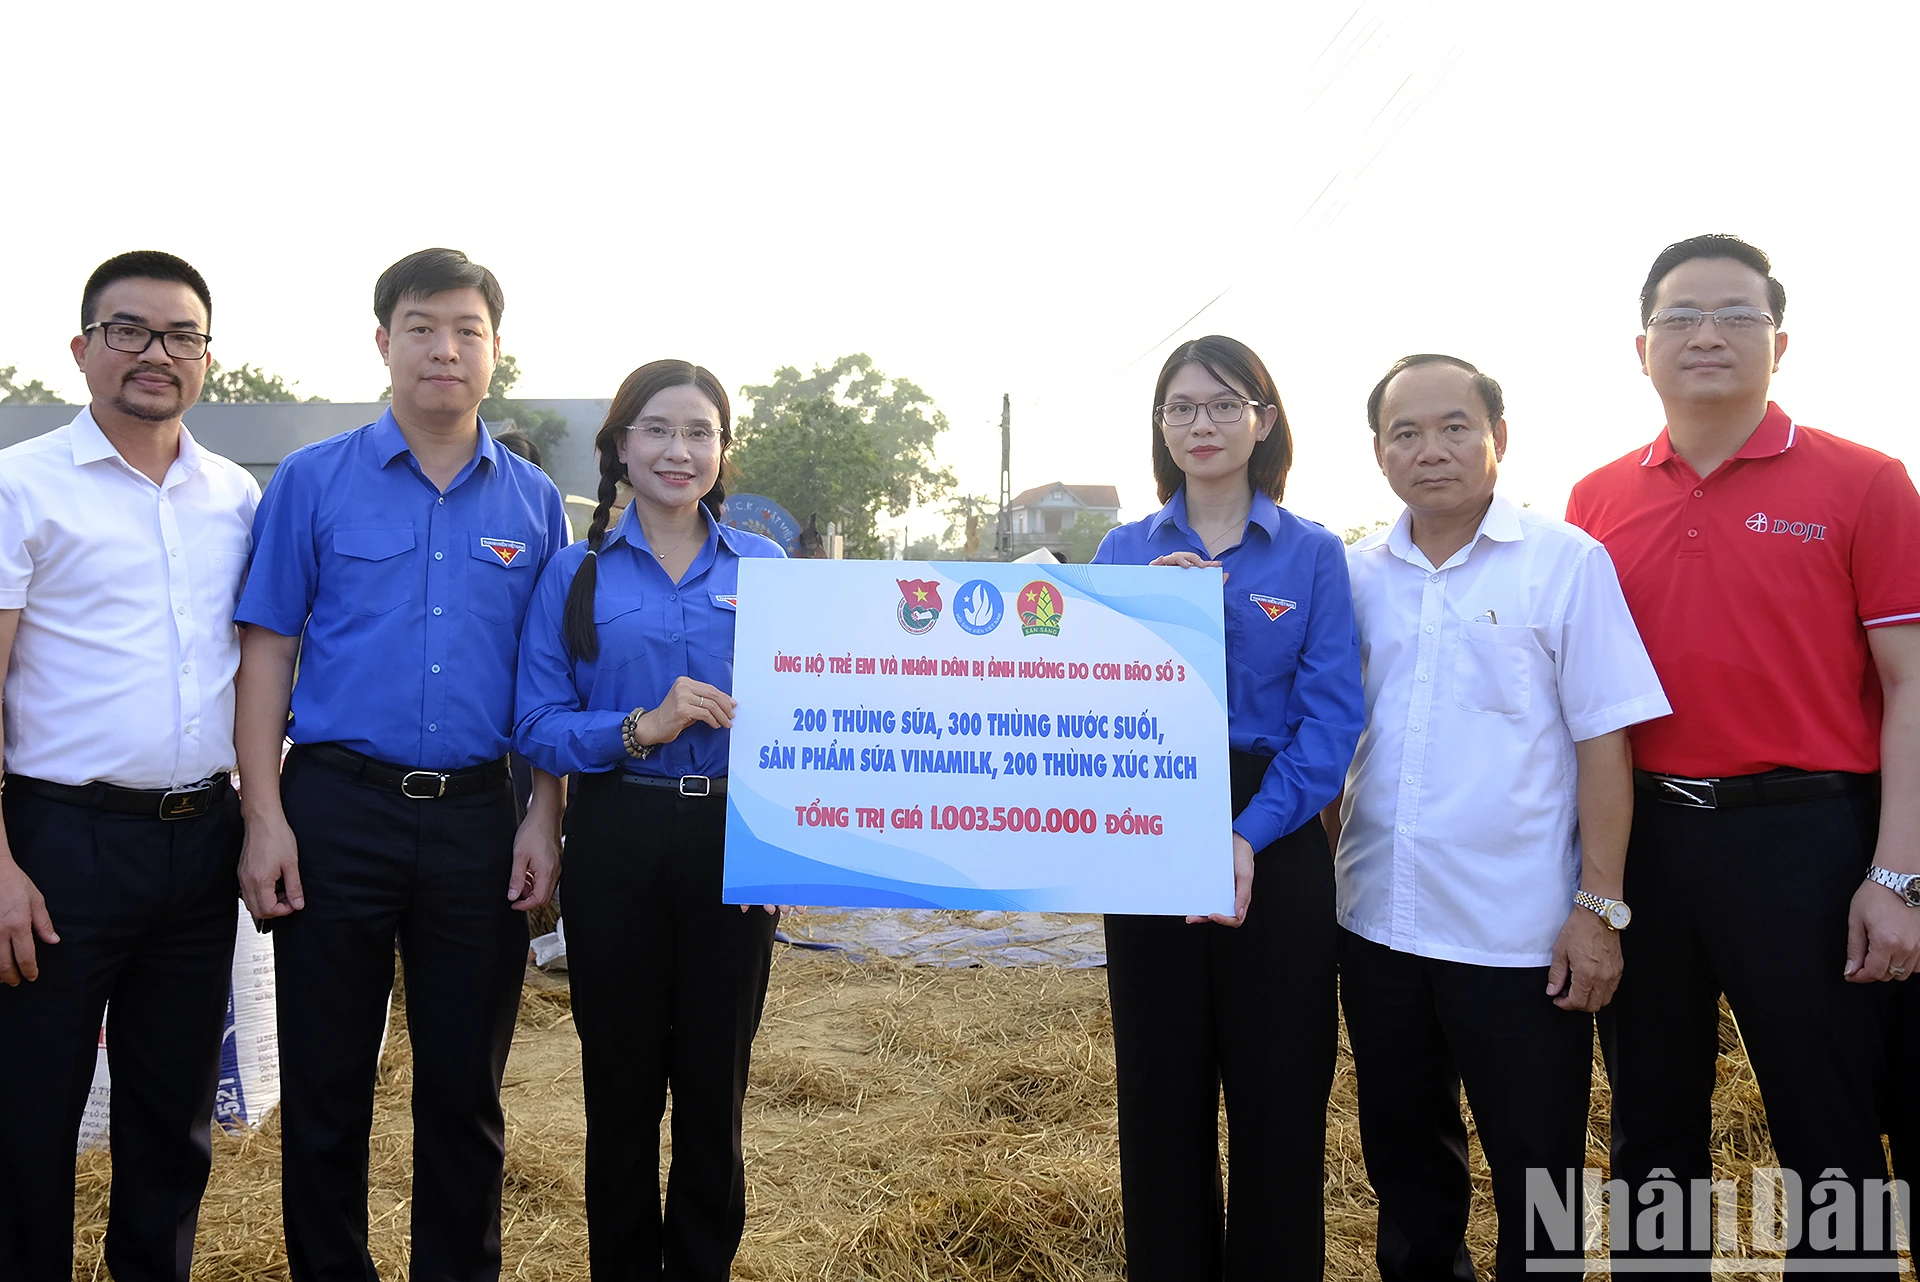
(1036, 199)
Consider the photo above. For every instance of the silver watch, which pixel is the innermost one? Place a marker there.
(1904, 884)
(1613, 913)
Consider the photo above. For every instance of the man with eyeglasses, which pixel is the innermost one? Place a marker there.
(394, 564)
(1773, 573)
(122, 545)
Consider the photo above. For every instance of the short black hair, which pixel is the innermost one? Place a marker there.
(1712, 245)
(520, 443)
(427, 272)
(142, 264)
(1490, 394)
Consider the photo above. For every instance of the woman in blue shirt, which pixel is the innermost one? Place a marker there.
(1244, 1002)
(626, 662)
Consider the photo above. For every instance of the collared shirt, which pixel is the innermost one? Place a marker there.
(652, 632)
(1754, 589)
(123, 662)
(1293, 667)
(410, 599)
(1460, 836)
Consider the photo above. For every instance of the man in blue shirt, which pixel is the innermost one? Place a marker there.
(393, 564)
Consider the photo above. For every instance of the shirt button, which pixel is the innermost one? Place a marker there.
(439, 556)
(179, 609)
(1402, 830)
(1416, 728)
(674, 637)
(436, 609)
(436, 667)
(1429, 627)
(1433, 578)
(186, 667)
(442, 500)
(1699, 494)
(174, 552)
(673, 596)
(431, 726)
(1423, 676)
(1409, 778)
(1693, 534)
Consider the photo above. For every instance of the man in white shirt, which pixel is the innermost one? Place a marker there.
(122, 548)
(1481, 840)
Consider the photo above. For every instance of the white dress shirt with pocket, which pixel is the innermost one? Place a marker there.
(1460, 836)
(123, 663)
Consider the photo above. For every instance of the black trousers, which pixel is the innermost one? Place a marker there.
(1251, 1009)
(1902, 1109)
(1751, 902)
(668, 985)
(377, 866)
(145, 910)
(1419, 1028)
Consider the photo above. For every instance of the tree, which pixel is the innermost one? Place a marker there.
(845, 442)
(970, 520)
(13, 392)
(248, 385)
(1354, 533)
(1084, 535)
(545, 428)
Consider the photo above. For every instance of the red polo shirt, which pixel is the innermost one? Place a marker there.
(1753, 590)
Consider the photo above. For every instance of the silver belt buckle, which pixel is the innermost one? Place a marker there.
(1698, 794)
(438, 781)
(184, 803)
(706, 786)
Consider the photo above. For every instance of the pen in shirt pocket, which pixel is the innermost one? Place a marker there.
(1488, 617)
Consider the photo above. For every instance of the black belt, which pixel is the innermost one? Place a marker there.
(684, 785)
(1751, 790)
(417, 785)
(189, 802)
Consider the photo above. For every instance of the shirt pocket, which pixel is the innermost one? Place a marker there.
(621, 627)
(370, 570)
(1493, 668)
(225, 567)
(500, 579)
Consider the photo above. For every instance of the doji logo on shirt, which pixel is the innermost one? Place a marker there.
(1273, 605)
(1039, 612)
(505, 549)
(919, 604)
(1805, 531)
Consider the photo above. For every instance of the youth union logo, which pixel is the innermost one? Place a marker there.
(1040, 609)
(978, 607)
(919, 604)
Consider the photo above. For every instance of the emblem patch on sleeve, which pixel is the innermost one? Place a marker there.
(505, 549)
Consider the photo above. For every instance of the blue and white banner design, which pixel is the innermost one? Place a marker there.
(990, 736)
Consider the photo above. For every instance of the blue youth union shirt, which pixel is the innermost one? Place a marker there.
(1293, 653)
(652, 632)
(409, 601)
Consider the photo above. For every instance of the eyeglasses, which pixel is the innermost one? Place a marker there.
(1682, 320)
(696, 436)
(1225, 409)
(181, 344)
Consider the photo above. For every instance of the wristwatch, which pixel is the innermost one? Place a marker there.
(1613, 913)
(1904, 884)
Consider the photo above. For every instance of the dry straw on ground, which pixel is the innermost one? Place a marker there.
(903, 1124)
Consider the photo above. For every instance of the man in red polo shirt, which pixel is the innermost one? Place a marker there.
(1774, 573)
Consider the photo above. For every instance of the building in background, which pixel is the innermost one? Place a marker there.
(1044, 516)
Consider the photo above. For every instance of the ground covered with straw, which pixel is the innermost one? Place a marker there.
(904, 1123)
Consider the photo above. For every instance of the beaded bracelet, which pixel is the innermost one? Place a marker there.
(630, 735)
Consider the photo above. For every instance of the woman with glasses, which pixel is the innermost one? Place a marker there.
(626, 661)
(1245, 1003)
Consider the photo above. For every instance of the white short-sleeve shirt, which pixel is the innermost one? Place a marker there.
(1460, 836)
(123, 661)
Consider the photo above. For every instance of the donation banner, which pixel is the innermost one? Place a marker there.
(987, 736)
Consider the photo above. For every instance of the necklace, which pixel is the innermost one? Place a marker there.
(677, 546)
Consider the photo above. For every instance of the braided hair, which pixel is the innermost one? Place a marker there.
(641, 386)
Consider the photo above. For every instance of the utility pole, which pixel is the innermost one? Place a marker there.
(1003, 531)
